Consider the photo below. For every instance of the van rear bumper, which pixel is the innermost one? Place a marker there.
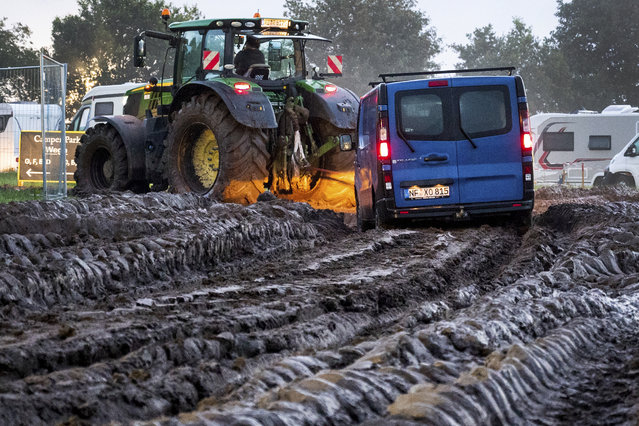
(456, 211)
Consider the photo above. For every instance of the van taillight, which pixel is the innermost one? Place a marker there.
(383, 145)
(524, 125)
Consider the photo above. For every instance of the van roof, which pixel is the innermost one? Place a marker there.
(111, 90)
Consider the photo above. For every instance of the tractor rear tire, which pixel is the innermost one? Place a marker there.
(101, 161)
(209, 153)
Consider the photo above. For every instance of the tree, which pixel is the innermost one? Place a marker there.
(536, 61)
(14, 49)
(98, 42)
(599, 43)
(374, 36)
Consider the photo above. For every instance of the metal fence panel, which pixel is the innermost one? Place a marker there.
(53, 87)
(33, 99)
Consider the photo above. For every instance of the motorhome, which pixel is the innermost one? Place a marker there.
(117, 99)
(19, 116)
(102, 100)
(575, 148)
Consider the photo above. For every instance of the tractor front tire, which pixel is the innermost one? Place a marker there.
(209, 153)
(101, 161)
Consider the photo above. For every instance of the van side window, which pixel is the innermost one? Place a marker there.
(558, 141)
(4, 119)
(368, 120)
(81, 123)
(421, 114)
(103, 108)
(485, 112)
(633, 150)
(599, 142)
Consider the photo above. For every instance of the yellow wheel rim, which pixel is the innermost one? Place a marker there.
(198, 158)
(206, 158)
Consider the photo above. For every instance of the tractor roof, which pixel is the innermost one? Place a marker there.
(253, 24)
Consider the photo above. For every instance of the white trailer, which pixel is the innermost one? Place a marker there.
(571, 147)
(19, 116)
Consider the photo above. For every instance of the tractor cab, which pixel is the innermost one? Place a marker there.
(206, 49)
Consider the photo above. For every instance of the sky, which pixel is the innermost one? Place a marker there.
(452, 19)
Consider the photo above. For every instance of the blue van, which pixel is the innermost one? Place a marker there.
(454, 148)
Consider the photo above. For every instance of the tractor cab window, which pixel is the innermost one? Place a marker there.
(190, 55)
(213, 54)
(283, 56)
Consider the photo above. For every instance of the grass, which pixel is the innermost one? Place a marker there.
(10, 191)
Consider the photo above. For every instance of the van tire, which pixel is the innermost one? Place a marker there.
(522, 220)
(102, 163)
(241, 161)
(362, 224)
(382, 221)
(624, 180)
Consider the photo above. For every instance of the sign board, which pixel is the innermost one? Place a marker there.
(334, 63)
(30, 160)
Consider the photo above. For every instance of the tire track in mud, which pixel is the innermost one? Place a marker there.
(168, 350)
(317, 324)
(529, 352)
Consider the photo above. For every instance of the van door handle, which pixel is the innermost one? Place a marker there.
(435, 157)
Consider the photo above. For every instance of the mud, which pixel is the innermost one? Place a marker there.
(172, 309)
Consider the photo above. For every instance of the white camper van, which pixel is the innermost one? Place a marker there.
(101, 100)
(624, 166)
(569, 147)
(19, 116)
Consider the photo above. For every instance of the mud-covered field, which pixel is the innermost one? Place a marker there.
(171, 309)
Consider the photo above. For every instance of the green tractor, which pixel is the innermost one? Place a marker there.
(276, 127)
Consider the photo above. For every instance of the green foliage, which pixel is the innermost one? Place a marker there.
(14, 49)
(518, 48)
(374, 36)
(98, 42)
(599, 43)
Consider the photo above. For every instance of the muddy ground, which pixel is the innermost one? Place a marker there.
(171, 309)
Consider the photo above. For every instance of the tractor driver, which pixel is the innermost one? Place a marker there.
(248, 56)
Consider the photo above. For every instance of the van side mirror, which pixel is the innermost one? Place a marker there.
(139, 51)
(631, 151)
(345, 143)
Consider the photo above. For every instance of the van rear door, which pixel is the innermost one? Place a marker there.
(423, 153)
(489, 155)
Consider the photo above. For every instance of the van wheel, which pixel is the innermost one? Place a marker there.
(101, 162)
(362, 224)
(627, 181)
(382, 221)
(522, 220)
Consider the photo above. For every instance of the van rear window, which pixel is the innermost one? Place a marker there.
(441, 113)
(484, 111)
(559, 141)
(4, 119)
(421, 114)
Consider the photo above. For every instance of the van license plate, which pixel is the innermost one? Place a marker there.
(426, 193)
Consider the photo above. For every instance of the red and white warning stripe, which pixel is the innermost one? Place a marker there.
(335, 64)
(211, 59)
